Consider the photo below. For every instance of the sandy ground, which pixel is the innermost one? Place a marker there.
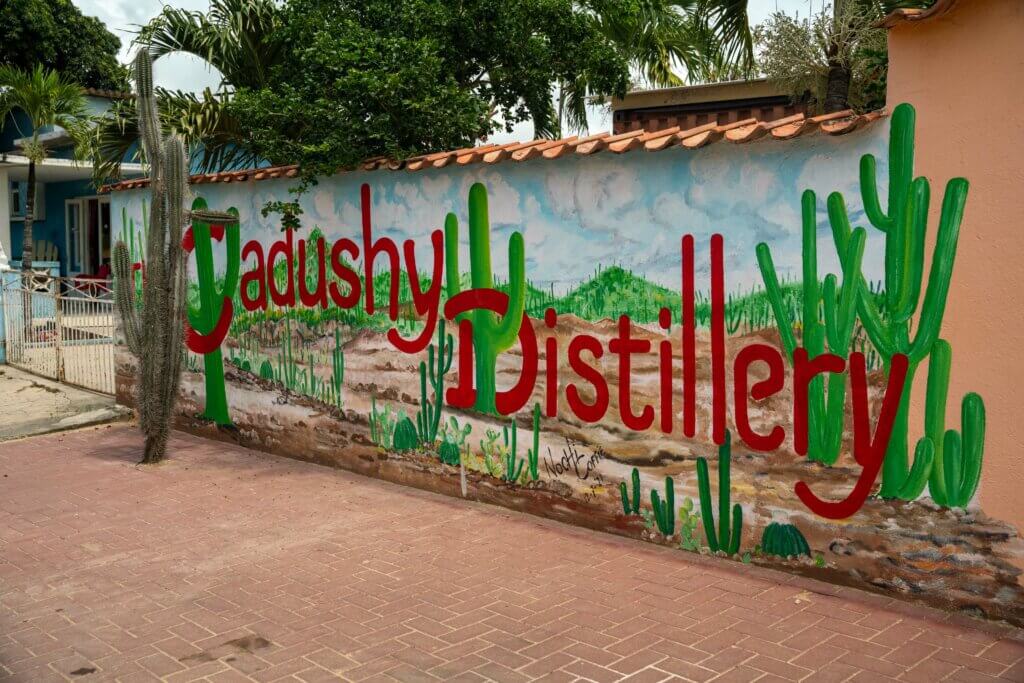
(36, 405)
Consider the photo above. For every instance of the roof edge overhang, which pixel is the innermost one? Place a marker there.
(738, 132)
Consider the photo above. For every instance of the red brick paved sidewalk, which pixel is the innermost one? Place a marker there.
(225, 564)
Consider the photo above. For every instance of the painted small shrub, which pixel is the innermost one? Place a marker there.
(267, 370)
(688, 539)
(449, 453)
(406, 438)
(784, 540)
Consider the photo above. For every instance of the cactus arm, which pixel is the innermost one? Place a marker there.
(124, 291)
(533, 454)
(624, 494)
(506, 331)
(936, 392)
(909, 239)
(724, 478)
(479, 238)
(841, 309)
(952, 455)
(737, 529)
(706, 511)
(943, 257)
(775, 298)
(871, 317)
(831, 437)
(636, 490)
(920, 471)
(451, 255)
(972, 422)
(901, 168)
(869, 194)
(233, 240)
(812, 335)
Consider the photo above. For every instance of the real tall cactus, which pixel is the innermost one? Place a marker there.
(152, 327)
(728, 535)
(890, 323)
(829, 314)
(491, 334)
(438, 362)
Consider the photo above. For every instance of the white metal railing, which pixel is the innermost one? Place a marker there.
(68, 334)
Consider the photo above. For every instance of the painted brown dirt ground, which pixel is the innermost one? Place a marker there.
(951, 558)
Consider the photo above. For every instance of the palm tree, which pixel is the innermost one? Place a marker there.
(706, 38)
(238, 38)
(46, 99)
(838, 56)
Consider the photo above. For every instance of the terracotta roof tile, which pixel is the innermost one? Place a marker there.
(570, 144)
(606, 142)
(738, 132)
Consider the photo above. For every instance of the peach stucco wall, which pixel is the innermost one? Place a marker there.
(964, 73)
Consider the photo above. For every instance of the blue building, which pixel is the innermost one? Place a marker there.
(72, 226)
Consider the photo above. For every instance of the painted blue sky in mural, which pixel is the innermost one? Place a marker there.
(576, 213)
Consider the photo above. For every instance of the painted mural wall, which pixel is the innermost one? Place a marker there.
(708, 349)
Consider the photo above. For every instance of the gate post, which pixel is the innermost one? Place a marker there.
(58, 322)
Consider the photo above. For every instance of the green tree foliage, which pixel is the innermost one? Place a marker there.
(384, 78)
(241, 39)
(56, 35)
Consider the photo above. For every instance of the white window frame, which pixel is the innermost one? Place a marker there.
(80, 205)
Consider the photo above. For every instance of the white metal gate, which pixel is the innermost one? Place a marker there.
(68, 334)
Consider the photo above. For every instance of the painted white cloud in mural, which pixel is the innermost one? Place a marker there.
(576, 213)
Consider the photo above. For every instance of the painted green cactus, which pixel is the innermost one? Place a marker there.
(890, 323)
(449, 453)
(533, 454)
(631, 505)
(665, 512)
(428, 418)
(829, 314)
(136, 245)
(267, 370)
(956, 457)
(406, 438)
(337, 380)
(213, 316)
(513, 463)
(491, 336)
(688, 527)
(382, 425)
(728, 536)
(784, 540)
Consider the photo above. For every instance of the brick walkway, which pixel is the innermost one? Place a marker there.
(224, 565)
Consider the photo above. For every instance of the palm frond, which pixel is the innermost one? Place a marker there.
(239, 38)
(729, 22)
(213, 136)
(46, 98)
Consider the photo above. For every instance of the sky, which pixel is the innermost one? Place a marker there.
(183, 72)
